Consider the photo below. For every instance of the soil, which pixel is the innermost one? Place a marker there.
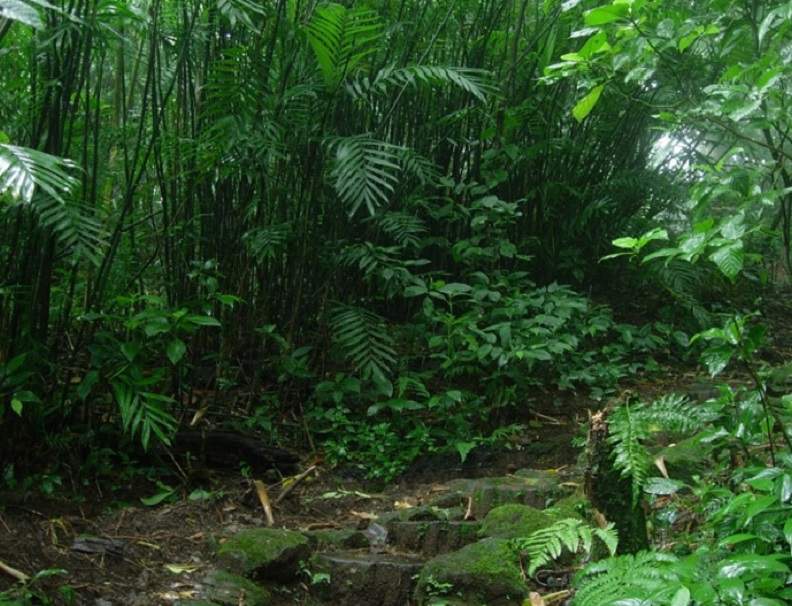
(159, 553)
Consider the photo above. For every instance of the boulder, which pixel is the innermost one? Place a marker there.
(265, 553)
(483, 573)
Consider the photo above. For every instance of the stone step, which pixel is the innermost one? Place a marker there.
(431, 538)
(525, 487)
(365, 579)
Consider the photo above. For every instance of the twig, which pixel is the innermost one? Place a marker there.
(13, 572)
(263, 496)
(294, 483)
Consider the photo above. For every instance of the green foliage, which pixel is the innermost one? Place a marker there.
(545, 545)
(364, 338)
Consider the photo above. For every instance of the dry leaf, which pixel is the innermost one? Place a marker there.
(363, 515)
(660, 464)
(535, 599)
(181, 568)
(263, 495)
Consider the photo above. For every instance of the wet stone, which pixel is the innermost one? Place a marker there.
(433, 537)
(265, 553)
(364, 579)
(525, 487)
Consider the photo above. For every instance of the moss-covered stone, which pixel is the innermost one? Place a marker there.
(483, 573)
(572, 506)
(225, 589)
(431, 538)
(348, 538)
(514, 520)
(424, 513)
(265, 553)
(526, 487)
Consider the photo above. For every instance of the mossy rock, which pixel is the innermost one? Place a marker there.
(423, 513)
(432, 538)
(574, 506)
(526, 487)
(265, 553)
(514, 520)
(483, 573)
(348, 538)
(221, 588)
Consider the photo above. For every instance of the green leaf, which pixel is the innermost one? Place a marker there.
(729, 259)
(202, 320)
(176, 351)
(16, 406)
(164, 493)
(16, 10)
(625, 242)
(788, 532)
(681, 597)
(464, 448)
(605, 14)
(586, 104)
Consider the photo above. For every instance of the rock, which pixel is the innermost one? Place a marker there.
(514, 520)
(265, 553)
(226, 589)
(432, 538)
(364, 579)
(424, 513)
(348, 538)
(484, 573)
(526, 487)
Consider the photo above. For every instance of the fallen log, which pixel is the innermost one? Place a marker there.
(226, 449)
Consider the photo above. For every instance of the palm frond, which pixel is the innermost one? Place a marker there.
(341, 39)
(476, 82)
(404, 228)
(43, 181)
(364, 338)
(365, 171)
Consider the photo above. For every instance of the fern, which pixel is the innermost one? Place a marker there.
(365, 171)
(644, 579)
(341, 39)
(547, 544)
(626, 433)
(364, 339)
(45, 183)
(630, 426)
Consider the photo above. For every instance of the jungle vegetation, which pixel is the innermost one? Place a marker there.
(385, 228)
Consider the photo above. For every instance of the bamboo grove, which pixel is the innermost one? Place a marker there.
(259, 192)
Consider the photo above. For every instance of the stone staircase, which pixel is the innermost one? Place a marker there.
(453, 549)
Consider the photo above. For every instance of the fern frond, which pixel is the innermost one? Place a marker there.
(547, 544)
(644, 578)
(365, 171)
(626, 434)
(364, 338)
(673, 413)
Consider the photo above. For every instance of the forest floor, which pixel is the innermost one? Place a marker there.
(157, 555)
